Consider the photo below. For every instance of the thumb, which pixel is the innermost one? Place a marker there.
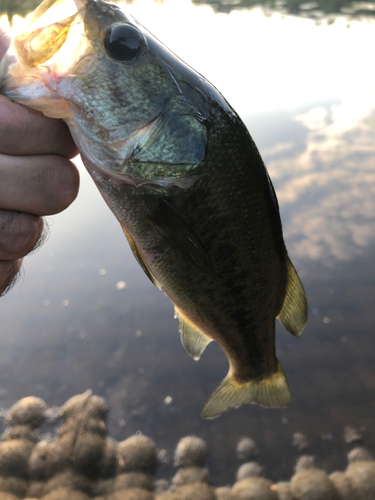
(4, 42)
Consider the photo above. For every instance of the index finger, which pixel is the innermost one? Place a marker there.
(26, 132)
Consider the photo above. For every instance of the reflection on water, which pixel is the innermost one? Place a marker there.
(70, 326)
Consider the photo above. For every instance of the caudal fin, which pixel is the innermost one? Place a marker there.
(272, 391)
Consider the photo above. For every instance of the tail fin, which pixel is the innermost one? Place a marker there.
(272, 391)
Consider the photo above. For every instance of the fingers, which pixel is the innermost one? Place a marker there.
(19, 234)
(4, 43)
(40, 185)
(26, 132)
(8, 274)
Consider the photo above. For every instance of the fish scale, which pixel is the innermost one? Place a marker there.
(181, 173)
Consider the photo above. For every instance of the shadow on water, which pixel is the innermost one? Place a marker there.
(85, 316)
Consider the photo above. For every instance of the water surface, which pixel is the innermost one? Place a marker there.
(306, 95)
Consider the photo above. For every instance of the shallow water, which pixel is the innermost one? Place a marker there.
(306, 95)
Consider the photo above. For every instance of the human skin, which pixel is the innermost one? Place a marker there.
(36, 179)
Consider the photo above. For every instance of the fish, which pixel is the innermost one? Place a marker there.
(181, 173)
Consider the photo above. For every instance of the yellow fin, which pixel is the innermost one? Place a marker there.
(293, 314)
(137, 254)
(42, 8)
(272, 391)
(37, 46)
(194, 341)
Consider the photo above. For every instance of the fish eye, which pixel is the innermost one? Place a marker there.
(123, 42)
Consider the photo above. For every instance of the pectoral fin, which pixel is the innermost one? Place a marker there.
(137, 254)
(272, 391)
(293, 314)
(194, 341)
(37, 46)
(170, 223)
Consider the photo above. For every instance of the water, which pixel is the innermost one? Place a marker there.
(306, 94)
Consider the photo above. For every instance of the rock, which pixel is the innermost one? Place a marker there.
(130, 480)
(190, 451)
(190, 475)
(283, 490)
(27, 411)
(137, 454)
(359, 454)
(8, 496)
(108, 461)
(246, 449)
(65, 494)
(85, 405)
(312, 484)
(13, 485)
(352, 435)
(133, 494)
(45, 461)
(36, 489)
(362, 477)
(102, 488)
(305, 462)
(254, 488)
(224, 493)
(300, 441)
(21, 432)
(343, 486)
(197, 491)
(71, 480)
(87, 453)
(161, 485)
(249, 469)
(14, 457)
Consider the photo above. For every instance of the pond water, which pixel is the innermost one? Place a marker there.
(85, 316)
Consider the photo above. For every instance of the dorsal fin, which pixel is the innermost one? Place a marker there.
(293, 314)
(137, 254)
(182, 236)
(192, 339)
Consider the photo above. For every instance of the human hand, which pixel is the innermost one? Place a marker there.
(36, 179)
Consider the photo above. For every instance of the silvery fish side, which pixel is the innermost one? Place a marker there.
(179, 170)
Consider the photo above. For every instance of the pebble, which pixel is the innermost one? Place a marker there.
(27, 411)
(133, 494)
(85, 405)
(129, 480)
(254, 488)
(246, 449)
(343, 485)
(197, 491)
(190, 451)
(304, 462)
(283, 490)
(71, 480)
(352, 435)
(7, 496)
(137, 454)
(300, 441)
(312, 484)
(13, 485)
(190, 475)
(359, 454)
(224, 493)
(108, 461)
(65, 494)
(362, 477)
(249, 469)
(21, 432)
(14, 457)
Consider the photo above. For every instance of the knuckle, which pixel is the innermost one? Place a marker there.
(19, 234)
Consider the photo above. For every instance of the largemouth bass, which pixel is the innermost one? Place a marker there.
(181, 173)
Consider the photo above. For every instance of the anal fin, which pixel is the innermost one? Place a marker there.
(192, 339)
(272, 391)
(293, 314)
